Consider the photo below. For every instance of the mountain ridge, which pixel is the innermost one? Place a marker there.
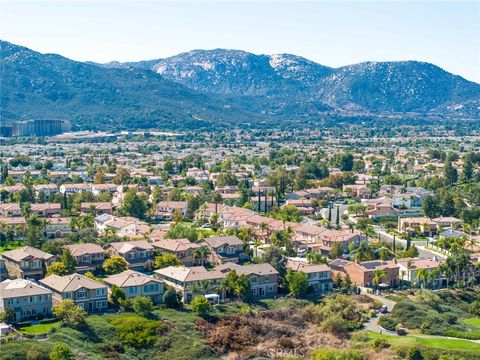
(224, 88)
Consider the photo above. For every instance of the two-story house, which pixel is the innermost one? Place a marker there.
(10, 210)
(89, 256)
(166, 209)
(45, 210)
(138, 254)
(26, 298)
(263, 277)
(225, 249)
(96, 208)
(57, 227)
(183, 249)
(319, 276)
(135, 283)
(27, 262)
(83, 291)
(190, 281)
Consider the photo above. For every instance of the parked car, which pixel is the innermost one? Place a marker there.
(402, 332)
(383, 310)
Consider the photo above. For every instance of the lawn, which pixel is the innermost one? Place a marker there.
(39, 328)
(436, 343)
(473, 321)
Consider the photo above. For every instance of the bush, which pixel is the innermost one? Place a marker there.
(136, 332)
(172, 299)
(48, 321)
(388, 322)
(72, 315)
(201, 306)
(142, 305)
(379, 344)
(61, 352)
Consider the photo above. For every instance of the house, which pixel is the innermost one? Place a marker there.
(45, 210)
(90, 257)
(96, 208)
(263, 277)
(27, 262)
(183, 249)
(166, 209)
(57, 227)
(304, 206)
(26, 298)
(75, 188)
(360, 191)
(83, 291)
(134, 284)
(121, 225)
(46, 189)
(97, 189)
(408, 269)
(362, 274)
(15, 224)
(190, 281)
(225, 249)
(10, 210)
(138, 254)
(319, 276)
(426, 226)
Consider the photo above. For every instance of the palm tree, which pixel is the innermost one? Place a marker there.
(201, 253)
(422, 276)
(363, 252)
(378, 276)
(263, 227)
(256, 244)
(201, 288)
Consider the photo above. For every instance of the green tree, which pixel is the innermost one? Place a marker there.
(61, 351)
(201, 306)
(72, 315)
(172, 299)
(343, 161)
(165, 260)
(450, 173)
(117, 295)
(57, 268)
(297, 282)
(143, 306)
(134, 205)
(115, 265)
(68, 261)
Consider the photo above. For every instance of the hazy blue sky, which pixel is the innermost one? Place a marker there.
(331, 33)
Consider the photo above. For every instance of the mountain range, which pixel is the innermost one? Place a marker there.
(224, 88)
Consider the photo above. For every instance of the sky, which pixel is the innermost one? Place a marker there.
(446, 33)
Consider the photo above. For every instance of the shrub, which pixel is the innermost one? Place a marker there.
(387, 322)
(72, 315)
(171, 299)
(379, 344)
(48, 321)
(115, 265)
(142, 305)
(24, 324)
(201, 306)
(136, 332)
(61, 352)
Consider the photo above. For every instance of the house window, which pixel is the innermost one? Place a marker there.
(132, 290)
(81, 294)
(101, 304)
(86, 258)
(100, 292)
(144, 254)
(68, 295)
